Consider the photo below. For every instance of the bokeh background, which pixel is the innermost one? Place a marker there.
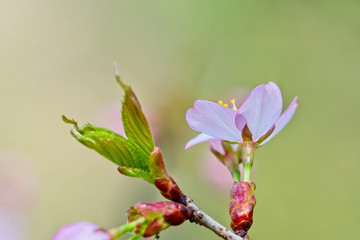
(56, 58)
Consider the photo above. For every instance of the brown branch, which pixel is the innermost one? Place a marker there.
(201, 218)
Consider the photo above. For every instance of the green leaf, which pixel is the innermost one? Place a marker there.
(136, 127)
(131, 153)
(110, 145)
(138, 173)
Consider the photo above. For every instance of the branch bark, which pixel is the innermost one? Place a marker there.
(201, 218)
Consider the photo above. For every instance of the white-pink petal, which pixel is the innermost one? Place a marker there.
(283, 120)
(240, 121)
(262, 108)
(202, 137)
(213, 120)
(216, 146)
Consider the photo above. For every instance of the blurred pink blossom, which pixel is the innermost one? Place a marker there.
(18, 190)
(214, 172)
(81, 231)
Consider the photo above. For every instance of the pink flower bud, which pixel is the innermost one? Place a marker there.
(81, 231)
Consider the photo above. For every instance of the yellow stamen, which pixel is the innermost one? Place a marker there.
(220, 102)
(232, 100)
(226, 105)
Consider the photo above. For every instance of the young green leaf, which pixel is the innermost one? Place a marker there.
(135, 124)
(112, 146)
(138, 173)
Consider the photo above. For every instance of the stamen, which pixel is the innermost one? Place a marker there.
(220, 102)
(233, 103)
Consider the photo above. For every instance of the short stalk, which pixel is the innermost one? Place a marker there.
(121, 230)
(135, 237)
(247, 172)
(248, 149)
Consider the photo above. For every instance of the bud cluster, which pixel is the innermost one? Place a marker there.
(151, 218)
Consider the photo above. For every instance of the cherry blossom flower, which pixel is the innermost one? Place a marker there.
(258, 119)
(82, 231)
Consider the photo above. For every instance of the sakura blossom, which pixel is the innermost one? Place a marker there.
(258, 118)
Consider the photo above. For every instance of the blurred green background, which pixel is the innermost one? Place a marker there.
(56, 58)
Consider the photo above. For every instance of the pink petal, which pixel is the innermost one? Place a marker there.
(202, 137)
(283, 120)
(240, 121)
(81, 231)
(262, 108)
(214, 120)
(216, 145)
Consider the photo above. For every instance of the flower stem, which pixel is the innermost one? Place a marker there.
(236, 175)
(133, 237)
(247, 171)
(121, 230)
(248, 149)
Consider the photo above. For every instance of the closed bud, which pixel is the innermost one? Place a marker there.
(154, 217)
(168, 188)
(166, 184)
(241, 207)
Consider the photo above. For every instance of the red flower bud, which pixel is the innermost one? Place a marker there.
(241, 207)
(168, 188)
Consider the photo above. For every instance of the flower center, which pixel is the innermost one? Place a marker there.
(227, 105)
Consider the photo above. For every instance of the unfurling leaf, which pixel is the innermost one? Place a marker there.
(138, 173)
(136, 127)
(135, 153)
(111, 145)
